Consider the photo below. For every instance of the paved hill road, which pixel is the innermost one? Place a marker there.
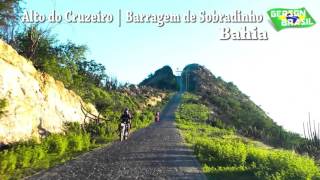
(155, 152)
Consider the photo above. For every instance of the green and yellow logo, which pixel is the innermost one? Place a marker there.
(287, 18)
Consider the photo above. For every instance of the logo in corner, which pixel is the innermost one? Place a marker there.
(288, 18)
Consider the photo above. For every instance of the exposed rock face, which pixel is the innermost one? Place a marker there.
(35, 100)
(153, 101)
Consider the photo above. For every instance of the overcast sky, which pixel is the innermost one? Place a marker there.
(281, 74)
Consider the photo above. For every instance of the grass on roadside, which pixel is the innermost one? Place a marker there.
(225, 155)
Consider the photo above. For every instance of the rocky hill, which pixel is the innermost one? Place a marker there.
(161, 79)
(35, 101)
(230, 108)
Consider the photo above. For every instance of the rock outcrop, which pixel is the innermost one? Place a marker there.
(162, 79)
(35, 101)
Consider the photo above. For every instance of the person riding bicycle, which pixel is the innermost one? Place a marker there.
(157, 117)
(126, 118)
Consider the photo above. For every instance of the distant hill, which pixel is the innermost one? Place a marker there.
(161, 79)
(232, 108)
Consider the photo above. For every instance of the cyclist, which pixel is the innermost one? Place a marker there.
(126, 118)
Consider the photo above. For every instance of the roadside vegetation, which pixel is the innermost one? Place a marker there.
(89, 80)
(235, 109)
(68, 63)
(25, 158)
(210, 127)
(226, 155)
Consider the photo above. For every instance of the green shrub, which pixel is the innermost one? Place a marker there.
(56, 143)
(189, 98)
(193, 112)
(78, 142)
(218, 123)
(86, 141)
(97, 129)
(149, 116)
(24, 154)
(141, 120)
(73, 127)
(8, 161)
(38, 154)
(75, 142)
(280, 164)
(221, 152)
(112, 130)
(229, 172)
(225, 155)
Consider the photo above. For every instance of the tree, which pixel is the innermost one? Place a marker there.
(70, 53)
(10, 11)
(111, 83)
(102, 107)
(95, 72)
(36, 44)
